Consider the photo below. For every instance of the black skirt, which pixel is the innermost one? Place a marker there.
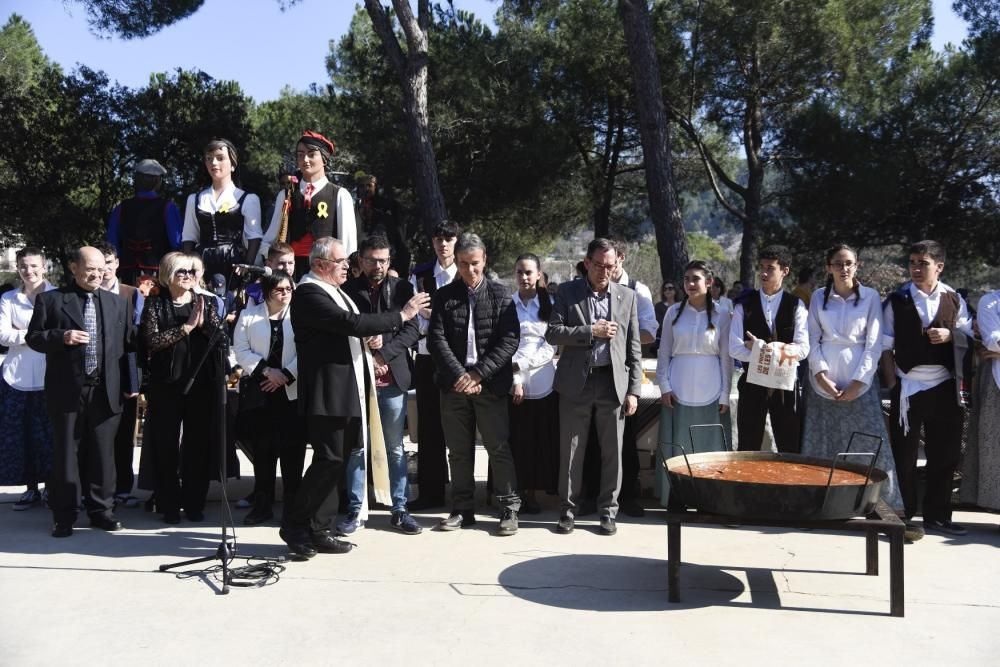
(534, 443)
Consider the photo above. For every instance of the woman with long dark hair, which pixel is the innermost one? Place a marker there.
(25, 427)
(845, 342)
(534, 406)
(176, 328)
(222, 222)
(694, 373)
(265, 348)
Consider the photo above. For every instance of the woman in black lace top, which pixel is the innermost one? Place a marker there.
(176, 328)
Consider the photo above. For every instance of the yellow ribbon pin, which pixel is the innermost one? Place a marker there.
(322, 210)
(224, 208)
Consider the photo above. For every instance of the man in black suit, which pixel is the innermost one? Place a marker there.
(84, 333)
(377, 292)
(336, 384)
(473, 336)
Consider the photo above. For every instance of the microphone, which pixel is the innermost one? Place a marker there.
(251, 270)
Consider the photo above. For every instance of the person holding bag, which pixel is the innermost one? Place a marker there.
(265, 348)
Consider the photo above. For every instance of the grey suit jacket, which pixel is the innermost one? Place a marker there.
(569, 327)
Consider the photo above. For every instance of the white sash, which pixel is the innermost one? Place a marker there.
(371, 420)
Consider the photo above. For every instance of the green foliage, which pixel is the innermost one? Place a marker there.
(131, 19)
(22, 62)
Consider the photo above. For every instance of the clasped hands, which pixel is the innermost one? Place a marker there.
(468, 383)
(852, 391)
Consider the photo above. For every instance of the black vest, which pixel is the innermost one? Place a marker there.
(221, 228)
(784, 320)
(143, 232)
(912, 347)
(424, 277)
(320, 218)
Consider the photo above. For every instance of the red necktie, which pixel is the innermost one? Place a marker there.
(310, 189)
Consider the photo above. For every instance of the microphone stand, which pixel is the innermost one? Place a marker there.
(226, 550)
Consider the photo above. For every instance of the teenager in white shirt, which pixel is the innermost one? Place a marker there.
(918, 365)
(25, 428)
(694, 372)
(845, 341)
(534, 409)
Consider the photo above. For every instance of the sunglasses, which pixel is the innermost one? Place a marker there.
(184, 273)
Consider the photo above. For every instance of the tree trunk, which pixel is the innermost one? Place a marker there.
(655, 134)
(753, 143)
(411, 68)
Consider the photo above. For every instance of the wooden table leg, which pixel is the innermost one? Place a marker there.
(896, 571)
(871, 552)
(673, 560)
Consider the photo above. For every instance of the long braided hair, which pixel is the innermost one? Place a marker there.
(830, 254)
(698, 265)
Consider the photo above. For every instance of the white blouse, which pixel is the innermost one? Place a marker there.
(989, 327)
(536, 370)
(693, 361)
(23, 368)
(845, 338)
(228, 200)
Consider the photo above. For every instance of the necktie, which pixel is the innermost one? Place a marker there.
(90, 321)
(310, 189)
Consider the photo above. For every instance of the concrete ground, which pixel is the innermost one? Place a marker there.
(749, 596)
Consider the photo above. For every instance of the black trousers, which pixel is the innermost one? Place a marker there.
(125, 446)
(432, 461)
(183, 469)
(86, 438)
(277, 432)
(315, 505)
(754, 407)
(937, 411)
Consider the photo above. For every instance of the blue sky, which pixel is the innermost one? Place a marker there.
(250, 41)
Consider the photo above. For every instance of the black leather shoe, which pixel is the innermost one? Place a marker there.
(608, 526)
(62, 530)
(172, 518)
(258, 515)
(566, 524)
(300, 546)
(105, 523)
(325, 543)
(425, 503)
(457, 520)
(631, 507)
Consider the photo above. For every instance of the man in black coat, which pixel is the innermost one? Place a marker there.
(472, 338)
(84, 333)
(335, 385)
(377, 292)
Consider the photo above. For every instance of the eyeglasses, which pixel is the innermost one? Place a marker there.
(843, 265)
(282, 290)
(184, 273)
(380, 261)
(603, 267)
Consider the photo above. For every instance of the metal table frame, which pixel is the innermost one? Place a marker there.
(883, 521)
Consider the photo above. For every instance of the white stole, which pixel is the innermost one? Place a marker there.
(371, 420)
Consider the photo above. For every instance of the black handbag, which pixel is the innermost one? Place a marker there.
(252, 397)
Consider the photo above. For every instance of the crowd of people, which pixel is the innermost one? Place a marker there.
(549, 377)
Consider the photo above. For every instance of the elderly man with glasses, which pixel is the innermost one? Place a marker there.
(336, 381)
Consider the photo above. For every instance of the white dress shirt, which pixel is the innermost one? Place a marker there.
(227, 200)
(693, 361)
(347, 226)
(471, 353)
(644, 305)
(442, 277)
(536, 369)
(989, 327)
(845, 338)
(23, 368)
(770, 303)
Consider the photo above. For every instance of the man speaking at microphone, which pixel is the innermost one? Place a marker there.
(336, 383)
